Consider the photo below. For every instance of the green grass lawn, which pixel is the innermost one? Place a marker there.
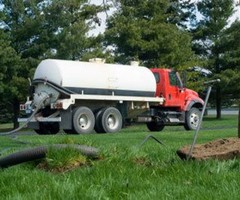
(127, 170)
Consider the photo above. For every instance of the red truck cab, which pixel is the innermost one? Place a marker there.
(182, 106)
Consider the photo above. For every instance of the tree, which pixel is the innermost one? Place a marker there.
(11, 92)
(231, 42)
(231, 61)
(147, 31)
(231, 76)
(208, 34)
(239, 120)
(39, 29)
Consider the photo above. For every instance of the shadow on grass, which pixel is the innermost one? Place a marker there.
(224, 118)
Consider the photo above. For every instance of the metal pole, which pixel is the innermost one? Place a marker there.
(201, 117)
(151, 136)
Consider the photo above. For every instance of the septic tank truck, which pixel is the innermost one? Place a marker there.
(80, 97)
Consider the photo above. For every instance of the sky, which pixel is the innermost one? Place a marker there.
(100, 29)
(237, 13)
(102, 16)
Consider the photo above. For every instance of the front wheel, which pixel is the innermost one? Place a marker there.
(192, 119)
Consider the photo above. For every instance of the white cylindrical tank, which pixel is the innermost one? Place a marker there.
(98, 78)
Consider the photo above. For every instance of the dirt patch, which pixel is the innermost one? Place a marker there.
(222, 149)
(61, 169)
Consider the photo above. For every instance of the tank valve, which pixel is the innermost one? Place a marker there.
(40, 99)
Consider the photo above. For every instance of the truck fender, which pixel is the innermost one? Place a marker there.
(193, 103)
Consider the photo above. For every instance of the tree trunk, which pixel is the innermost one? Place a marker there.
(15, 113)
(239, 119)
(218, 102)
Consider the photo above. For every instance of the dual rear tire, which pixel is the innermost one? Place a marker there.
(106, 120)
(83, 120)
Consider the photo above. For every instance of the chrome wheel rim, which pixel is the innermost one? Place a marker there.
(83, 122)
(112, 122)
(194, 120)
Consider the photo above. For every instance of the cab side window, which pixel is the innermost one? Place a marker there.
(174, 80)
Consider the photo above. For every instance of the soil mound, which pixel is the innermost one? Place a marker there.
(222, 149)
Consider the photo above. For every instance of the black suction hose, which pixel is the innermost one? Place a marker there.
(28, 120)
(56, 87)
(41, 152)
(24, 124)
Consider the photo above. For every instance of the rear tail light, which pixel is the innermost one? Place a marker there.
(22, 107)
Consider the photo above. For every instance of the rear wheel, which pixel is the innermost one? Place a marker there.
(111, 120)
(47, 128)
(54, 128)
(155, 126)
(41, 131)
(192, 119)
(98, 121)
(69, 131)
(83, 120)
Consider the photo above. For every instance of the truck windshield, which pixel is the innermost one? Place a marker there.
(175, 79)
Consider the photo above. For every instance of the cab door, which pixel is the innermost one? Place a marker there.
(175, 96)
